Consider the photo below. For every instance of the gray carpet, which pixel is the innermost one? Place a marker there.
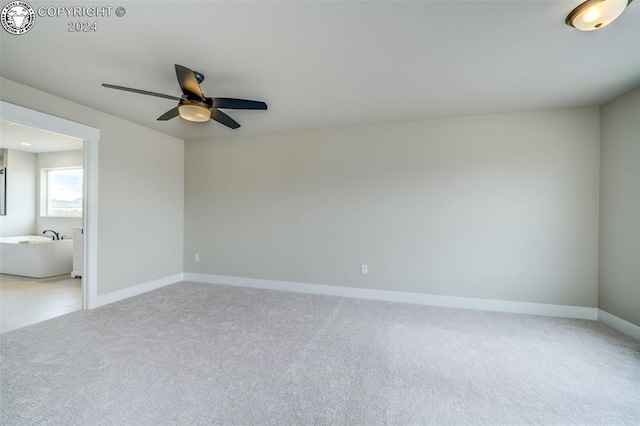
(202, 354)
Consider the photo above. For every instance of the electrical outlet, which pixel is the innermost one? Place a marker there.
(196, 257)
(364, 269)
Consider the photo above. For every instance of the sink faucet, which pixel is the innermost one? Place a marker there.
(55, 235)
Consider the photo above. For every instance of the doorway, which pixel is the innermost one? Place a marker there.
(90, 136)
(42, 203)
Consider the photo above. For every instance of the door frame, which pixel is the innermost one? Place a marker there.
(39, 120)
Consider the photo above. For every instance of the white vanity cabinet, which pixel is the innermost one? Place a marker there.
(78, 252)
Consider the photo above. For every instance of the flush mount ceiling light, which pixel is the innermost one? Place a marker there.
(194, 111)
(595, 14)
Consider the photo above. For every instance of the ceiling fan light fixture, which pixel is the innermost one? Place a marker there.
(193, 105)
(194, 111)
(595, 14)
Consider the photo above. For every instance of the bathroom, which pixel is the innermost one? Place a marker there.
(41, 217)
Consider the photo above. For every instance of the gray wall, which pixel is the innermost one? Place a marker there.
(619, 291)
(21, 195)
(62, 225)
(141, 184)
(499, 207)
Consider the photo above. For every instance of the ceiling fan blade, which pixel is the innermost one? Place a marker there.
(142, 92)
(232, 103)
(169, 114)
(188, 82)
(223, 118)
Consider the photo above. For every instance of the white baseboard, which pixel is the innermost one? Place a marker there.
(126, 293)
(563, 311)
(619, 324)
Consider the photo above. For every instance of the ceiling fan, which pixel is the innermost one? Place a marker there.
(193, 105)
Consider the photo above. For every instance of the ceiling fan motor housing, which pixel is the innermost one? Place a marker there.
(199, 76)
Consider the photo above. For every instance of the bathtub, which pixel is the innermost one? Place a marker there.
(40, 257)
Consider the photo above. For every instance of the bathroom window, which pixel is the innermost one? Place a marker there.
(61, 192)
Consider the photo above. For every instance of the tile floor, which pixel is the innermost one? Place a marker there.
(25, 301)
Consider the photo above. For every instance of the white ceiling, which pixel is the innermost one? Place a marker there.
(320, 64)
(15, 136)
